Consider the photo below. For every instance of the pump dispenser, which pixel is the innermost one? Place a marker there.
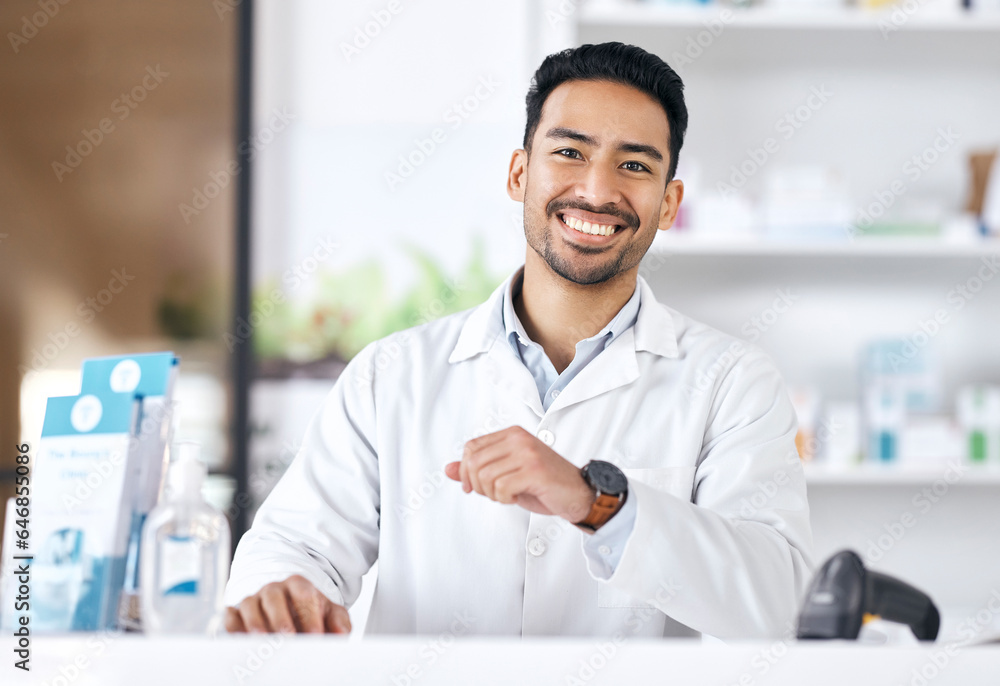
(185, 554)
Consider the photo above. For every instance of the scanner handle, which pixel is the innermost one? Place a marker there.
(897, 601)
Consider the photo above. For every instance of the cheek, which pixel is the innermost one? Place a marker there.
(552, 182)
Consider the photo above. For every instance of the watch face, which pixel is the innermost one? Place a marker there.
(606, 477)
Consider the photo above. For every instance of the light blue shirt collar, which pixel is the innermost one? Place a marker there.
(514, 331)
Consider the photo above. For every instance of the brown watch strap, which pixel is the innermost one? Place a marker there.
(604, 507)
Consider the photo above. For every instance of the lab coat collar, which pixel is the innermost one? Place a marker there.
(654, 329)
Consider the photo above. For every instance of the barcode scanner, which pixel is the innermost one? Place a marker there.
(844, 595)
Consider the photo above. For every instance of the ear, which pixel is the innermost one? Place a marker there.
(517, 175)
(672, 197)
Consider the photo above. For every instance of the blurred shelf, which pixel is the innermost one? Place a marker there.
(734, 246)
(819, 19)
(898, 475)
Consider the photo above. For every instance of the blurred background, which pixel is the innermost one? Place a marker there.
(840, 212)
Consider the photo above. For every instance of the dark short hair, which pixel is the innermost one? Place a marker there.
(628, 65)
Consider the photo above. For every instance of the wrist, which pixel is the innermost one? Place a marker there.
(609, 488)
(583, 503)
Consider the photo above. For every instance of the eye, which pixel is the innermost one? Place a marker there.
(570, 153)
(635, 166)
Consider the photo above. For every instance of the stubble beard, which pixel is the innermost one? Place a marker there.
(540, 240)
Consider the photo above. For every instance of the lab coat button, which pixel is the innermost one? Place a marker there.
(536, 546)
(547, 437)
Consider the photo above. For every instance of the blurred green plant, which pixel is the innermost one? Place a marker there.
(192, 305)
(352, 308)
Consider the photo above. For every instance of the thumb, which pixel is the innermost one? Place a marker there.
(453, 471)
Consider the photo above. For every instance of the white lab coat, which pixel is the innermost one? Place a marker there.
(700, 422)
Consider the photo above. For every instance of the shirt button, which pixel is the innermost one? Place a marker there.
(536, 546)
(555, 393)
(604, 550)
(546, 437)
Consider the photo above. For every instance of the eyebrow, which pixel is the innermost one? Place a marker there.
(573, 134)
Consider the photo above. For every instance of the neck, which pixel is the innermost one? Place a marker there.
(557, 313)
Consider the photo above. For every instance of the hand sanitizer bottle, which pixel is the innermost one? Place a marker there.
(185, 554)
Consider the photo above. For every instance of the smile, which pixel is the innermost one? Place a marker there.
(588, 228)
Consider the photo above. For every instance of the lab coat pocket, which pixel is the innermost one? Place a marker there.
(678, 481)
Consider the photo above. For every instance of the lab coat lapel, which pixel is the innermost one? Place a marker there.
(614, 367)
(508, 374)
(617, 364)
(483, 333)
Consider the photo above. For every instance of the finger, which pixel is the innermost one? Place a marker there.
(463, 474)
(253, 617)
(234, 621)
(471, 449)
(308, 604)
(309, 609)
(275, 603)
(338, 621)
(453, 470)
(489, 474)
(507, 487)
(482, 457)
(485, 440)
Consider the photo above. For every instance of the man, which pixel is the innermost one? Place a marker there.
(624, 470)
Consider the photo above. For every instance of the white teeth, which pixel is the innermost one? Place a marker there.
(587, 227)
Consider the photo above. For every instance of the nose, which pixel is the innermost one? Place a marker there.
(598, 185)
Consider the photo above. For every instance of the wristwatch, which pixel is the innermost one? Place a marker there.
(612, 489)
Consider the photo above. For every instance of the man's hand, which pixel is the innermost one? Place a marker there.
(513, 467)
(289, 606)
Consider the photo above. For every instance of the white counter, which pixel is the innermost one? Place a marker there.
(110, 659)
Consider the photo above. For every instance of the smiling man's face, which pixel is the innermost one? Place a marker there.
(598, 162)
